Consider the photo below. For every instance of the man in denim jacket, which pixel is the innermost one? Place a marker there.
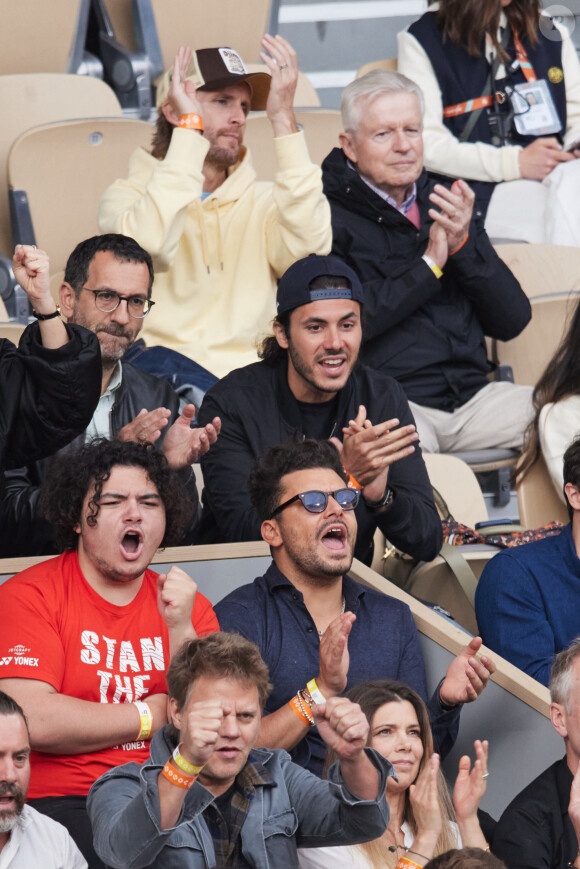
(206, 797)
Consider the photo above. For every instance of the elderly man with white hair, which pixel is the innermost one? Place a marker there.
(433, 285)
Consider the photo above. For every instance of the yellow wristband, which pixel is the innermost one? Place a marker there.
(432, 265)
(146, 719)
(315, 692)
(184, 765)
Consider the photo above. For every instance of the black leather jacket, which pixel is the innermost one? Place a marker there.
(46, 396)
(23, 532)
(428, 334)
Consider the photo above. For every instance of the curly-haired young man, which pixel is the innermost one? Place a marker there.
(86, 638)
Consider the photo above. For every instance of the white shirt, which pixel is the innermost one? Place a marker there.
(100, 425)
(38, 842)
(351, 856)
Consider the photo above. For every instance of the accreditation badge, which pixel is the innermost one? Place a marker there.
(534, 110)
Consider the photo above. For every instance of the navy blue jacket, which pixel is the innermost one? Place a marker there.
(527, 602)
(428, 334)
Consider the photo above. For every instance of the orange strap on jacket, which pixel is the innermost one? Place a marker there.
(483, 102)
(467, 106)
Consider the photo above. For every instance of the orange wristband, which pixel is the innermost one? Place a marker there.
(405, 863)
(191, 122)
(451, 252)
(299, 709)
(177, 778)
(352, 483)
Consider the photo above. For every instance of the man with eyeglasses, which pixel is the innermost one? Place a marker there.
(107, 289)
(319, 631)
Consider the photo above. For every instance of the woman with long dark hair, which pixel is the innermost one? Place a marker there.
(556, 402)
(423, 821)
(502, 92)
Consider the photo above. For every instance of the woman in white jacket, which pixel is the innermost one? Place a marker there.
(448, 53)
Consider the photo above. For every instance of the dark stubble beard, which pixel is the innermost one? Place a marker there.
(221, 158)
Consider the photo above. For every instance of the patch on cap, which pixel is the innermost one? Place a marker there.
(333, 293)
(232, 61)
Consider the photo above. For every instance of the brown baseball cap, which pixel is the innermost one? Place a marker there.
(214, 68)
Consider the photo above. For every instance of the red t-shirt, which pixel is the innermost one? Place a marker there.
(55, 628)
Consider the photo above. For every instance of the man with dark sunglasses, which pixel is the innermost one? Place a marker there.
(309, 381)
(107, 289)
(319, 631)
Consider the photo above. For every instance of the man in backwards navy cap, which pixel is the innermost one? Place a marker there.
(309, 382)
(219, 239)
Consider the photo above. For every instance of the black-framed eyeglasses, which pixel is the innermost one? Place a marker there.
(108, 301)
(316, 502)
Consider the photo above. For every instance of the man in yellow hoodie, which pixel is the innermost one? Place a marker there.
(219, 238)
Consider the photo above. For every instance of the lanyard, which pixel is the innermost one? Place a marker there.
(486, 100)
(525, 65)
(467, 106)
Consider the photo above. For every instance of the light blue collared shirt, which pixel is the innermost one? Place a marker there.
(100, 425)
(404, 207)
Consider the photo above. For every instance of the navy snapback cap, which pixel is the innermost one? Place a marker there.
(293, 286)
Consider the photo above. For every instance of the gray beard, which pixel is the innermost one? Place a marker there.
(8, 824)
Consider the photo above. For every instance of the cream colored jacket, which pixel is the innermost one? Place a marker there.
(216, 261)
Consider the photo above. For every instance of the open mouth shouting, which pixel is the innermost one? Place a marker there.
(132, 544)
(334, 536)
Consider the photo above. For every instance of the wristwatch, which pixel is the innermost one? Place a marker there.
(47, 316)
(385, 501)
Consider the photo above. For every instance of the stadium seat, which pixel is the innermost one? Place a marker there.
(59, 172)
(164, 26)
(543, 269)
(449, 581)
(529, 353)
(43, 37)
(457, 484)
(12, 331)
(30, 100)
(538, 500)
(388, 63)
(321, 128)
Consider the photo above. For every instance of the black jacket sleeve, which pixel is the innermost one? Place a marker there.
(390, 297)
(228, 514)
(499, 303)
(501, 306)
(47, 396)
